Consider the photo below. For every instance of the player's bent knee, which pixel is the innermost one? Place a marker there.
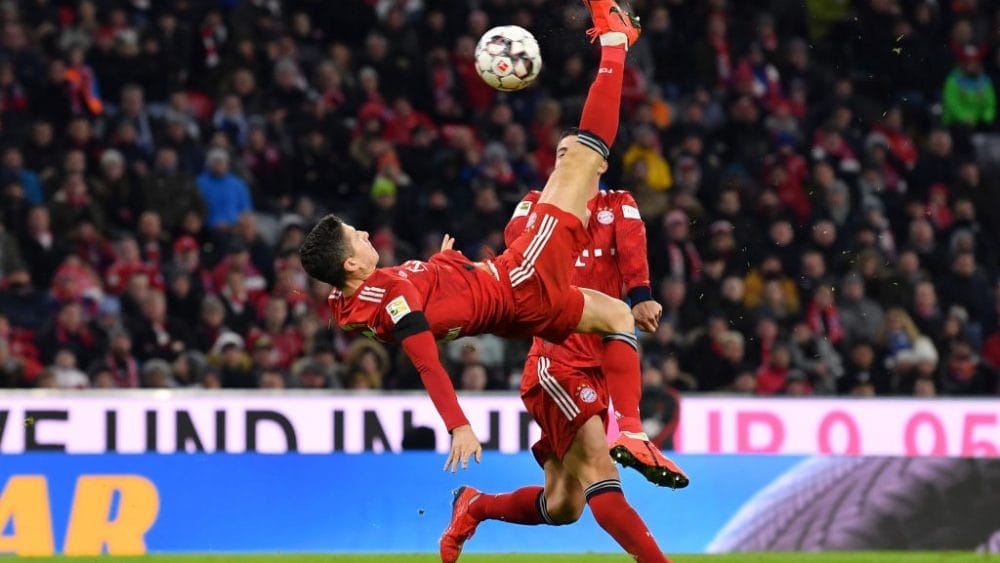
(564, 510)
(622, 319)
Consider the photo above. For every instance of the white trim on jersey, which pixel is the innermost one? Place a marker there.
(372, 294)
(521, 273)
(556, 391)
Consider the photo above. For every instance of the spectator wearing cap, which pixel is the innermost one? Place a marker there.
(170, 191)
(157, 374)
(969, 99)
(226, 196)
(966, 374)
(228, 354)
(186, 258)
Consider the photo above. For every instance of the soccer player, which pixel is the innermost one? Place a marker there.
(523, 292)
(562, 385)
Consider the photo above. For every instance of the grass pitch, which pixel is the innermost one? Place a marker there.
(840, 557)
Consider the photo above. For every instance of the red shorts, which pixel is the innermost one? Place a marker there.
(561, 398)
(540, 264)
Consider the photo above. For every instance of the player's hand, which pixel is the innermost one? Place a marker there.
(647, 315)
(464, 445)
(447, 243)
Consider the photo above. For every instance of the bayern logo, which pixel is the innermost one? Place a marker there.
(587, 395)
(605, 217)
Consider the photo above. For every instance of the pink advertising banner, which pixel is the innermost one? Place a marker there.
(236, 422)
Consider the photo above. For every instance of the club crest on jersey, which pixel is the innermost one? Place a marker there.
(586, 394)
(531, 221)
(605, 217)
(397, 308)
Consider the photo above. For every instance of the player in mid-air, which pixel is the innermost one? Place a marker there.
(562, 385)
(523, 292)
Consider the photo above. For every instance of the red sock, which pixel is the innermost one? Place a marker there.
(518, 507)
(622, 373)
(621, 521)
(600, 111)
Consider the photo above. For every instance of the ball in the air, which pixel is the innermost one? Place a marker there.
(508, 58)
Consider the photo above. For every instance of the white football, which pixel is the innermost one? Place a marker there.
(508, 58)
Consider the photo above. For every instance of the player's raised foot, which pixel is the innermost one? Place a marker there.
(461, 527)
(637, 452)
(612, 16)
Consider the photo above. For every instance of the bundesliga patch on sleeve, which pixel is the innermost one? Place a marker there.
(522, 209)
(630, 212)
(397, 308)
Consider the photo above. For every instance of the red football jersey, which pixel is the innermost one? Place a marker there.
(614, 264)
(457, 297)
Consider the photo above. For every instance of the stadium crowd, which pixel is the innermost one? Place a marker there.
(818, 221)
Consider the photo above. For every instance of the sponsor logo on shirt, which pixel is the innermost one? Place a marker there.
(630, 212)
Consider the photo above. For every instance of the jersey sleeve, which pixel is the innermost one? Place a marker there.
(402, 315)
(630, 242)
(520, 217)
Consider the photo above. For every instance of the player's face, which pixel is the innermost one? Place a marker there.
(565, 143)
(364, 256)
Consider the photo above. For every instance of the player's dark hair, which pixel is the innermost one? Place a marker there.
(569, 132)
(324, 251)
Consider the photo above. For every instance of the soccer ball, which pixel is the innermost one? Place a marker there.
(508, 58)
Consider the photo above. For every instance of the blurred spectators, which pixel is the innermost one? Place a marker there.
(819, 186)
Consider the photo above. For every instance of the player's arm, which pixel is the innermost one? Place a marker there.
(519, 219)
(413, 333)
(633, 263)
(402, 311)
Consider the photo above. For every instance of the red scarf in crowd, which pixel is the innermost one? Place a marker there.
(825, 321)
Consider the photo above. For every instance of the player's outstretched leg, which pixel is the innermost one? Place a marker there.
(560, 502)
(613, 319)
(587, 459)
(568, 188)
